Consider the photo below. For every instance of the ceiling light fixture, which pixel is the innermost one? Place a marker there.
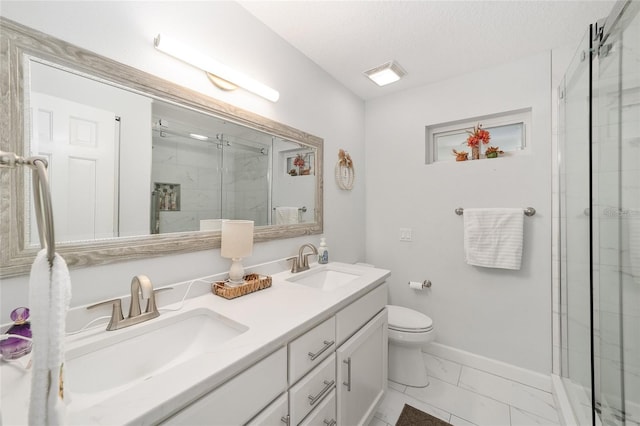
(386, 73)
(198, 137)
(216, 70)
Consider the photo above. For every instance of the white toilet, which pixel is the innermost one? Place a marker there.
(409, 331)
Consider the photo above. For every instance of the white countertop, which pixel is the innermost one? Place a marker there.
(273, 316)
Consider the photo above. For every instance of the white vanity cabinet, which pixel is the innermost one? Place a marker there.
(310, 391)
(362, 372)
(276, 414)
(325, 414)
(238, 400)
(333, 374)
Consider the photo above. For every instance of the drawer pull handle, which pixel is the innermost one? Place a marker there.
(331, 422)
(348, 382)
(327, 345)
(285, 419)
(327, 386)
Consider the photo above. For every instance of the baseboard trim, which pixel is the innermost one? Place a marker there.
(499, 368)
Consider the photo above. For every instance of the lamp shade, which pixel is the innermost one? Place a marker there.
(237, 238)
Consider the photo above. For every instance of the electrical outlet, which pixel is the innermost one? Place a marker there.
(405, 234)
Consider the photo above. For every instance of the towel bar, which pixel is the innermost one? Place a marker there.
(41, 197)
(303, 209)
(528, 211)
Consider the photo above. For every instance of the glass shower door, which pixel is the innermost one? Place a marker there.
(575, 267)
(616, 195)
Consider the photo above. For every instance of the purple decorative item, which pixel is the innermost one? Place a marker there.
(14, 348)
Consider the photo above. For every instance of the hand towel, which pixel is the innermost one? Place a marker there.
(493, 238)
(49, 298)
(287, 215)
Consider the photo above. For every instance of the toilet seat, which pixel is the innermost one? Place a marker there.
(407, 320)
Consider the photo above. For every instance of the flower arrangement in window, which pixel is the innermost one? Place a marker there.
(477, 136)
(493, 151)
(460, 155)
(299, 161)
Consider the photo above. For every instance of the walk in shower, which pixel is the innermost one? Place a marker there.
(599, 158)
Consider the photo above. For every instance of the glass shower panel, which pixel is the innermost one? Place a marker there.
(575, 231)
(617, 174)
(246, 174)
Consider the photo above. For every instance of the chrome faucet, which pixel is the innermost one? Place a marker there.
(301, 262)
(140, 284)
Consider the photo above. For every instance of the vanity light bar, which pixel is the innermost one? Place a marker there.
(189, 55)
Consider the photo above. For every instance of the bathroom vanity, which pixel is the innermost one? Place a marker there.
(311, 349)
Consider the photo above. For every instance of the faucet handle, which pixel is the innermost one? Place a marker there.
(305, 261)
(116, 312)
(151, 303)
(294, 265)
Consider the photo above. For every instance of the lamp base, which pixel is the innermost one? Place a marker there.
(236, 272)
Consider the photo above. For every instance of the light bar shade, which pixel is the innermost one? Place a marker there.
(192, 57)
(385, 74)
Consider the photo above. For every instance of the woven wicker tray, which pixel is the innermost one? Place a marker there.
(252, 282)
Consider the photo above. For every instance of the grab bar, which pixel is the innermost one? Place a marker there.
(41, 197)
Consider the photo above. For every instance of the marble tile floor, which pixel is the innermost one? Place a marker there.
(462, 396)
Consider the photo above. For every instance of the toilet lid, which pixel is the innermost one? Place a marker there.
(405, 319)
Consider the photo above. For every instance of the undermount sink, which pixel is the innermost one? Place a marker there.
(324, 278)
(118, 359)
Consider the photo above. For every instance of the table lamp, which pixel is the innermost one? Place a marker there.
(237, 243)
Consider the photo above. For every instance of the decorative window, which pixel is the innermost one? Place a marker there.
(509, 132)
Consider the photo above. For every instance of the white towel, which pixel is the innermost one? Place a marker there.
(287, 215)
(49, 297)
(493, 237)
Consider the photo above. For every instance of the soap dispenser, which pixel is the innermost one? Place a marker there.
(323, 252)
(15, 347)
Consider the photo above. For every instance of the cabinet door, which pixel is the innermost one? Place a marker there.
(362, 372)
(276, 414)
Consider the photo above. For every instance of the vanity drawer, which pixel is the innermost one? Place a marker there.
(309, 392)
(325, 414)
(239, 399)
(311, 348)
(353, 317)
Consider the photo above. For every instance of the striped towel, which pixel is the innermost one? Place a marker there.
(493, 237)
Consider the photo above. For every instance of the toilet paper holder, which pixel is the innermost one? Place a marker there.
(425, 284)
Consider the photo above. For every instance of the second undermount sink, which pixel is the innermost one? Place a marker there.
(118, 359)
(325, 277)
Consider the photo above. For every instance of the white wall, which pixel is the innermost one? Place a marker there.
(501, 314)
(309, 100)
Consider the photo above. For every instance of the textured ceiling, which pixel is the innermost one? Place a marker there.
(431, 40)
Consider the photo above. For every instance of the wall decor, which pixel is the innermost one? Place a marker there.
(345, 173)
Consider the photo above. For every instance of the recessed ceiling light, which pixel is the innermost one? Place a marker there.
(199, 137)
(386, 73)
